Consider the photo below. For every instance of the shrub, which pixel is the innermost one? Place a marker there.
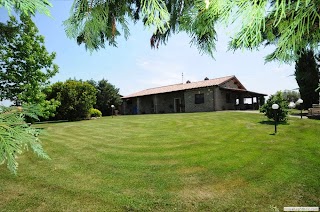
(76, 98)
(282, 112)
(94, 112)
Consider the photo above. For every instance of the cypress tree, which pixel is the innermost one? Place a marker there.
(307, 77)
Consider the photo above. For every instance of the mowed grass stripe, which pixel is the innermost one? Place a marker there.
(185, 162)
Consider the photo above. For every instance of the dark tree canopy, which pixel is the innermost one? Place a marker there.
(307, 76)
(107, 95)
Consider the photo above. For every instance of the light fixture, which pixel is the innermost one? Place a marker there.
(292, 105)
(299, 102)
(275, 107)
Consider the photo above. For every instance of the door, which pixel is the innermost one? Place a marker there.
(177, 105)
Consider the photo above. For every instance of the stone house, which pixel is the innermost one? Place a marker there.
(225, 93)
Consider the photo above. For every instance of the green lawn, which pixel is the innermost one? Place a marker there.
(219, 161)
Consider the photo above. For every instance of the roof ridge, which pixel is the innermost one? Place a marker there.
(211, 79)
(227, 78)
(163, 86)
(182, 86)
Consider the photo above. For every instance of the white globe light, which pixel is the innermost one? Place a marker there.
(292, 105)
(299, 101)
(112, 106)
(275, 106)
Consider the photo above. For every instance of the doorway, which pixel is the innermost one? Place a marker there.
(177, 105)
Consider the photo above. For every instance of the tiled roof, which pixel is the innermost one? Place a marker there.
(180, 87)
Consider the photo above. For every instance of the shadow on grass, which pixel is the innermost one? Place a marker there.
(272, 122)
(59, 121)
(50, 122)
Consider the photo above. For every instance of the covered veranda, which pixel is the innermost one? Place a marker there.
(244, 99)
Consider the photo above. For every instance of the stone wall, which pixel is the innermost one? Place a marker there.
(189, 96)
(165, 102)
(145, 105)
(220, 97)
(159, 103)
(215, 99)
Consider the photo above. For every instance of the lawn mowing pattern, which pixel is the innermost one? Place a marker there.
(186, 162)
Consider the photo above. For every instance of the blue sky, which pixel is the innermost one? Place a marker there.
(134, 66)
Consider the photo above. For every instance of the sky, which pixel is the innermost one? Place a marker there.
(134, 66)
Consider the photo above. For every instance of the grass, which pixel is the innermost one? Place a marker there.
(223, 161)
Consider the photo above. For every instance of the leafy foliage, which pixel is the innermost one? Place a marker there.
(291, 25)
(95, 112)
(282, 112)
(76, 98)
(27, 6)
(97, 22)
(25, 64)
(16, 135)
(307, 76)
(290, 96)
(107, 95)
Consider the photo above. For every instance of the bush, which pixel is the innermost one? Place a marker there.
(75, 97)
(94, 112)
(282, 112)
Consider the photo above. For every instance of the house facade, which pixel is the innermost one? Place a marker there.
(225, 93)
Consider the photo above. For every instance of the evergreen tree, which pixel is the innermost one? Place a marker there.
(107, 95)
(16, 135)
(296, 23)
(97, 23)
(307, 77)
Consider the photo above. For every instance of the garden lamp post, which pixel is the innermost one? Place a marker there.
(299, 102)
(112, 107)
(292, 105)
(275, 108)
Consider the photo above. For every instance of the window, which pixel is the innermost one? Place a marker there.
(228, 98)
(199, 98)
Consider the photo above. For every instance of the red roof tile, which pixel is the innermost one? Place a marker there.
(180, 87)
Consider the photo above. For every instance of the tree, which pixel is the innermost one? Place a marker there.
(282, 112)
(290, 96)
(22, 56)
(107, 95)
(25, 64)
(307, 77)
(17, 136)
(76, 99)
(98, 22)
(27, 6)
